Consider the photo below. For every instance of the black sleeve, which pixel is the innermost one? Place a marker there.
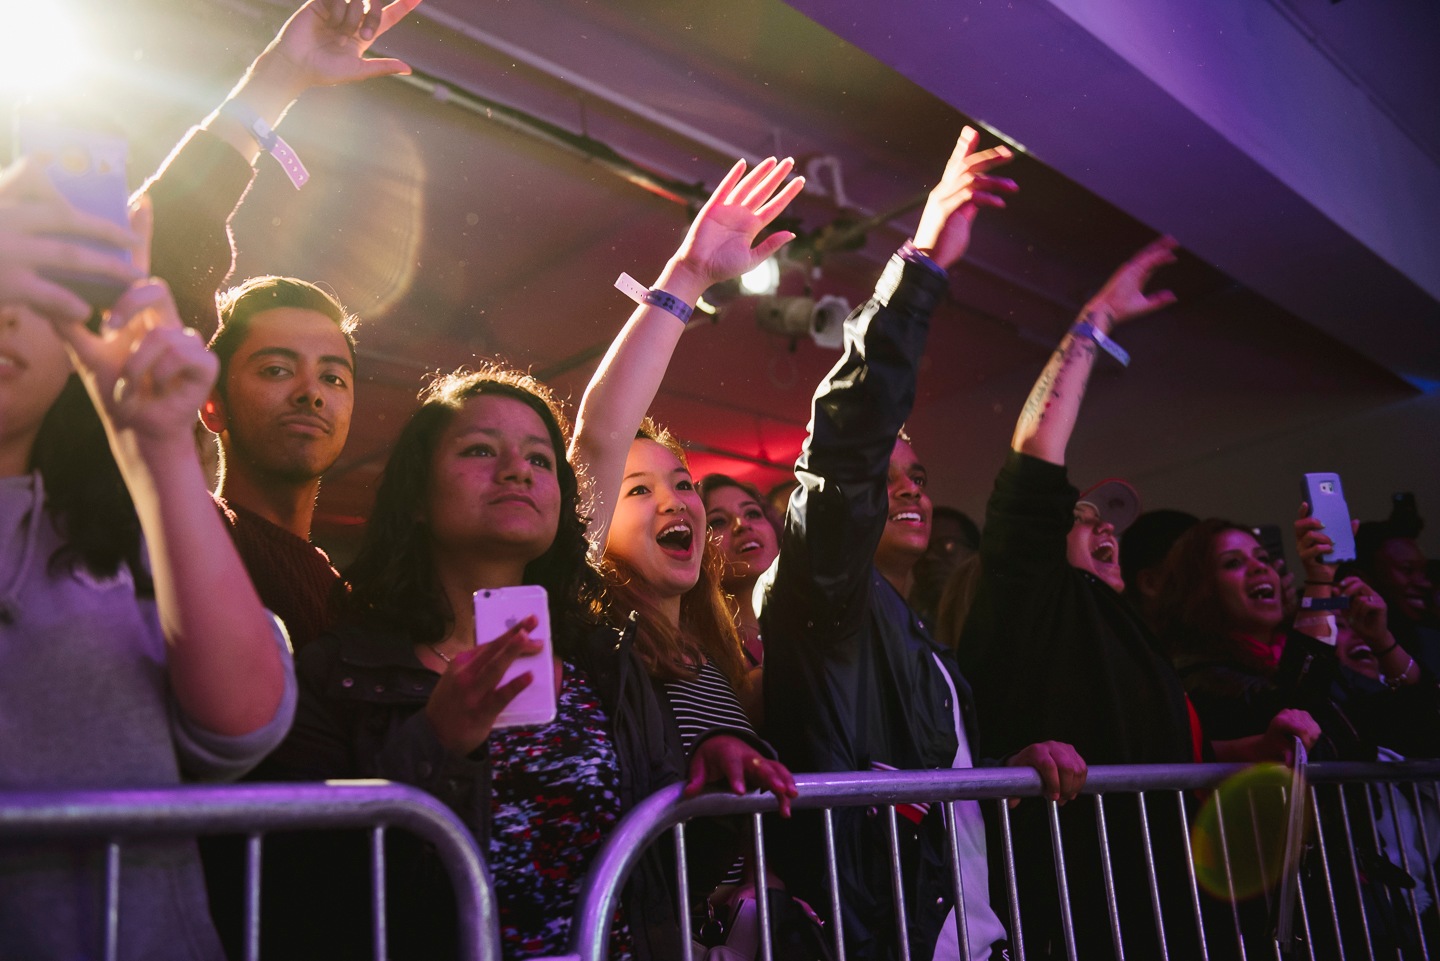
(195, 192)
(835, 519)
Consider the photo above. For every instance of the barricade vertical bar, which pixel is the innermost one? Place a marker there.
(1259, 848)
(1067, 922)
(762, 894)
(1299, 887)
(1108, 871)
(1425, 845)
(1369, 790)
(112, 900)
(1355, 871)
(1190, 874)
(252, 897)
(1325, 866)
(952, 837)
(1150, 874)
(1229, 876)
(1017, 935)
(832, 869)
(682, 882)
(895, 882)
(1405, 866)
(377, 892)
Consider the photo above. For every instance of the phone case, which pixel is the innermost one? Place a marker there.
(88, 168)
(498, 610)
(1327, 502)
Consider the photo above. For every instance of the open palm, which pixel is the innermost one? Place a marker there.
(326, 40)
(721, 241)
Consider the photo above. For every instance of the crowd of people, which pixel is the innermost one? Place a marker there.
(700, 635)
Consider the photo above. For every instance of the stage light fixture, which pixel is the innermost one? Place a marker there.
(764, 279)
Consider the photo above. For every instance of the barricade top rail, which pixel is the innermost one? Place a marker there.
(109, 816)
(660, 812)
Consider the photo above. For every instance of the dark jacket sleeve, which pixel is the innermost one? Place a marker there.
(835, 519)
(1023, 561)
(195, 192)
(337, 737)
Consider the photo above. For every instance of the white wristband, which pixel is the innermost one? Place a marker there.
(269, 141)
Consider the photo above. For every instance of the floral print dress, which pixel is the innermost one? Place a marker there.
(555, 797)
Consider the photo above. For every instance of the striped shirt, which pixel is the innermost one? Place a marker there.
(704, 702)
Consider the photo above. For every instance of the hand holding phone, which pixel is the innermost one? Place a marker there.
(499, 611)
(1334, 531)
(473, 692)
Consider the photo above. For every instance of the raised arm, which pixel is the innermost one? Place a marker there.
(200, 185)
(837, 516)
(720, 245)
(1048, 417)
(148, 375)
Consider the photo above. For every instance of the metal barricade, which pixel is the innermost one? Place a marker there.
(114, 817)
(1330, 834)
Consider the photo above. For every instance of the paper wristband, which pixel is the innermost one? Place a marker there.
(654, 297)
(1084, 328)
(269, 141)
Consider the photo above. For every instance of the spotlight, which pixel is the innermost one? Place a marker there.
(823, 320)
(764, 279)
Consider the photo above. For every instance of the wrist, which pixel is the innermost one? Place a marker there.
(1099, 314)
(681, 279)
(271, 85)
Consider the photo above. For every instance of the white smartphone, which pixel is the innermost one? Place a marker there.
(1327, 502)
(498, 610)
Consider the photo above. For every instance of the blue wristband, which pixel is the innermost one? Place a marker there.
(654, 297)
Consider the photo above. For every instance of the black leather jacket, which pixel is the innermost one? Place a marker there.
(362, 692)
(851, 675)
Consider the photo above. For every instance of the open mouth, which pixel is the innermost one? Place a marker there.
(1261, 592)
(749, 547)
(907, 517)
(677, 537)
(1105, 553)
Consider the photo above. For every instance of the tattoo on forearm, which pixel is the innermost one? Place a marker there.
(1047, 388)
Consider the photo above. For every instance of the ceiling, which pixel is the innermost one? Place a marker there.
(566, 138)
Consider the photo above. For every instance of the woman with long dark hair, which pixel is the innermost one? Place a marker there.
(477, 495)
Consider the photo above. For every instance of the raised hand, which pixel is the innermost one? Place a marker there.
(721, 241)
(1366, 614)
(729, 761)
(1123, 297)
(147, 373)
(469, 697)
(325, 41)
(964, 187)
(1312, 544)
(41, 233)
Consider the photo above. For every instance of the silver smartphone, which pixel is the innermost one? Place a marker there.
(496, 611)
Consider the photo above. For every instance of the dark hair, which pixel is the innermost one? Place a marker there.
(1188, 618)
(707, 626)
(393, 576)
(84, 492)
(1145, 543)
(714, 482)
(239, 305)
(968, 528)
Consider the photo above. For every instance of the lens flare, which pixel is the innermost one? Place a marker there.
(1243, 824)
(43, 48)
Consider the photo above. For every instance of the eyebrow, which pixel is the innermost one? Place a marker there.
(647, 473)
(492, 432)
(294, 355)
